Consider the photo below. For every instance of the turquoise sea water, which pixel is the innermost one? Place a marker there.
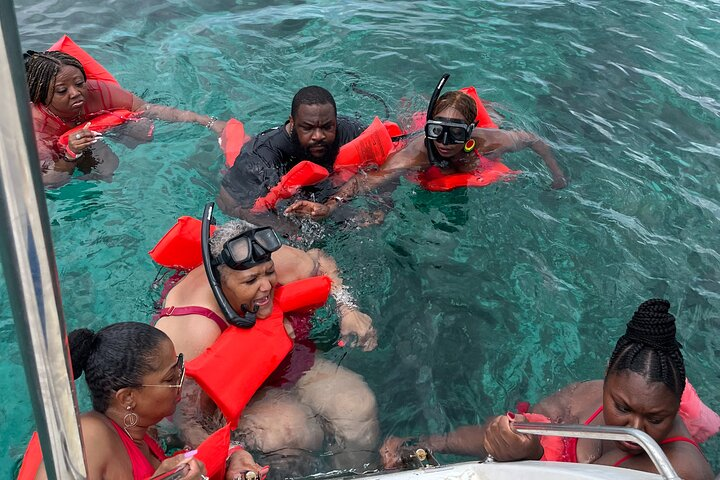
(483, 297)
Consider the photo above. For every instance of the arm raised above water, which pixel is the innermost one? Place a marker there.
(493, 143)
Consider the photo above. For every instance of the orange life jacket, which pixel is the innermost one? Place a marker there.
(241, 359)
(232, 140)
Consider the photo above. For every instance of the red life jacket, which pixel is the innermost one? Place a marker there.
(100, 123)
(93, 69)
(371, 147)
(180, 247)
(488, 171)
(241, 359)
(303, 174)
(232, 140)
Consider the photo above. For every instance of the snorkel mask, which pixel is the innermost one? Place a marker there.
(247, 250)
(444, 131)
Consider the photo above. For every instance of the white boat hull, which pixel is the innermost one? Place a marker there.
(517, 470)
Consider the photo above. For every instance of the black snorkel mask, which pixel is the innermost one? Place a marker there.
(444, 131)
(247, 250)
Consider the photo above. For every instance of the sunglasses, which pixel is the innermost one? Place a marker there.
(448, 132)
(179, 365)
(248, 249)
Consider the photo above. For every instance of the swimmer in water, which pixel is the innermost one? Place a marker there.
(63, 98)
(449, 129)
(643, 389)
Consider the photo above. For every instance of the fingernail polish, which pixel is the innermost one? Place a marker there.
(510, 415)
(190, 454)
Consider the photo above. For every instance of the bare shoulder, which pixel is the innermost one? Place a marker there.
(413, 155)
(100, 439)
(571, 403)
(687, 459)
(293, 264)
(191, 334)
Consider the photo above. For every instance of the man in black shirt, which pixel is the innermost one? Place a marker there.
(313, 132)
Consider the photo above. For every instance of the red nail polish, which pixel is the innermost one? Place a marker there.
(510, 415)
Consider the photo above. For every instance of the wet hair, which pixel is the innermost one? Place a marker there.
(117, 356)
(312, 95)
(460, 101)
(227, 231)
(649, 347)
(41, 68)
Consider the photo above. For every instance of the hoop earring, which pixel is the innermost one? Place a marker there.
(130, 420)
(469, 146)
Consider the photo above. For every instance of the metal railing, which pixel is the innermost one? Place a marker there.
(30, 271)
(605, 432)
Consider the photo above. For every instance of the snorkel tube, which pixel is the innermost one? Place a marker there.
(431, 106)
(213, 276)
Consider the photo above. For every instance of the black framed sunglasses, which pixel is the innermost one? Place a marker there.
(248, 249)
(448, 132)
(181, 366)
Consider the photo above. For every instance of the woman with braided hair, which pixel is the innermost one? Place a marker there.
(63, 98)
(644, 388)
(135, 378)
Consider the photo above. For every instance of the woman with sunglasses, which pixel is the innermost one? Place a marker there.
(135, 379)
(452, 144)
(296, 402)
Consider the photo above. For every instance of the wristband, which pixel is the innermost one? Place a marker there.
(71, 156)
(234, 447)
(210, 122)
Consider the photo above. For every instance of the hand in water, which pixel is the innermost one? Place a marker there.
(356, 330)
(558, 183)
(306, 208)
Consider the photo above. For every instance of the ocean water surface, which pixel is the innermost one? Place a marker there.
(481, 297)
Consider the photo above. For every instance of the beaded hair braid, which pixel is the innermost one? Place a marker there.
(649, 347)
(41, 69)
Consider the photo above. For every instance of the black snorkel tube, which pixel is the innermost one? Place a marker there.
(213, 276)
(431, 106)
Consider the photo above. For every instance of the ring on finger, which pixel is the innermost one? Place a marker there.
(77, 135)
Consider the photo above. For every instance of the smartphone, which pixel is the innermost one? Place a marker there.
(175, 474)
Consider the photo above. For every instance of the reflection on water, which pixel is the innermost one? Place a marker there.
(481, 298)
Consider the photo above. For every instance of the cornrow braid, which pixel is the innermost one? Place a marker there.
(41, 68)
(649, 347)
(117, 356)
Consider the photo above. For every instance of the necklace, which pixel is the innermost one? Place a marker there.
(73, 122)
